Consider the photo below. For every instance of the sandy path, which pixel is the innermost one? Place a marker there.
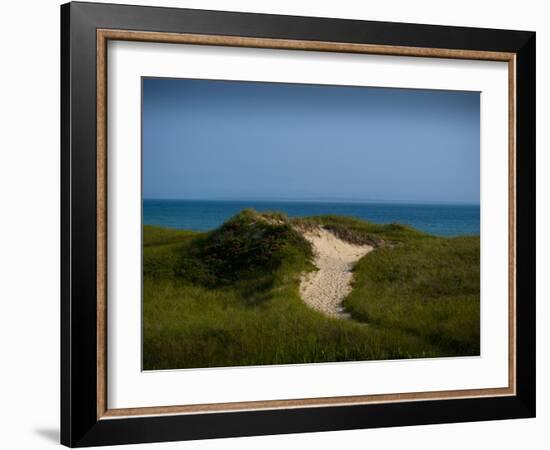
(325, 289)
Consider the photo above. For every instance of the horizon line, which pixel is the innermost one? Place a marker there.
(313, 200)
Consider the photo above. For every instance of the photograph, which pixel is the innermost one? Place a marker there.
(293, 223)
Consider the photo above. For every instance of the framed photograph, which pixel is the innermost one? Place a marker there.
(277, 224)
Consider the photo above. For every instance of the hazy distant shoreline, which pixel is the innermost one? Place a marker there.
(337, 200)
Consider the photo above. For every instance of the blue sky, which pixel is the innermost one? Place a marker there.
(205, 139)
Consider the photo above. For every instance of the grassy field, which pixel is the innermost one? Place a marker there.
(230, 297)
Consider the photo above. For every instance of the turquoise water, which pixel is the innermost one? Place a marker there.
(203, 215)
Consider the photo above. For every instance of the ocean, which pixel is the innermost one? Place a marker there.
(204, 215)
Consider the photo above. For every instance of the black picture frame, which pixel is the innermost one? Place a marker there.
(80, 425)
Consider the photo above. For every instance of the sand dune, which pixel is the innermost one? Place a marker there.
(325, 289)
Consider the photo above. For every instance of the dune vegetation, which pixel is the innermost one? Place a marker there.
(230, 297)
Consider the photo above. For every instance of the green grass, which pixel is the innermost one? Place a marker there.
(429, 288)
(230, 297)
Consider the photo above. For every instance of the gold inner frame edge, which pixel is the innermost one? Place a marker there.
(104, 35)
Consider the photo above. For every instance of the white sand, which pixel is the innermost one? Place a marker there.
(325, 289)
